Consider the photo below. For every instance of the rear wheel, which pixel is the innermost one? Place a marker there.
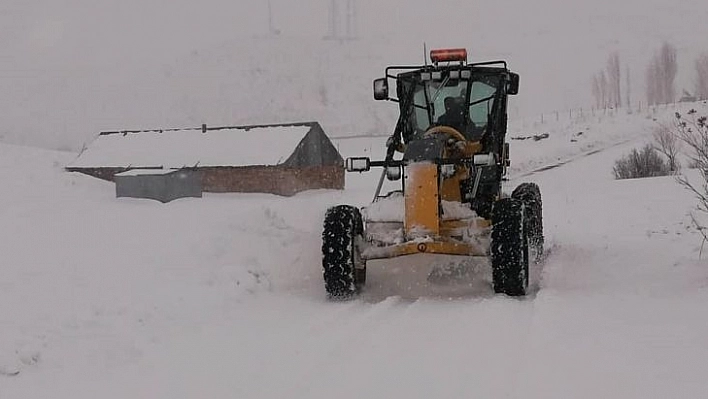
(343, 268)
(530, 195)
(509, 249)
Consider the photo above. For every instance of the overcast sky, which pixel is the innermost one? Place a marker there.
(556, 45)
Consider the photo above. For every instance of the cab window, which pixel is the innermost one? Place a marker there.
(481, 102)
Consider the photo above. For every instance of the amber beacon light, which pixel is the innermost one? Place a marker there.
(449, 55)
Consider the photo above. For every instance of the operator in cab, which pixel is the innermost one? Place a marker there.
(454, 114)
(454, 117)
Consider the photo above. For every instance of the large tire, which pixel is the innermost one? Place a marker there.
(484, 201)
(343, 268)
(530, 195)
(509, 252)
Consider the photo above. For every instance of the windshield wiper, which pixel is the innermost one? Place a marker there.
(482, 100)
(437, 92)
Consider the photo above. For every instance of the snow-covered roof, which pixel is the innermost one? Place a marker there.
(175, 148)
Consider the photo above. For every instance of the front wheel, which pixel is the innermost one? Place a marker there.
(344, 270)
(530, 195)
(510, 248)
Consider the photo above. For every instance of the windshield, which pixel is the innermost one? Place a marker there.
(464, 104)
(447, 97)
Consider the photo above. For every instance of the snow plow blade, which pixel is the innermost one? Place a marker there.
(423, 247)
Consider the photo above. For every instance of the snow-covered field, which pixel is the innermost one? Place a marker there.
(222, 297)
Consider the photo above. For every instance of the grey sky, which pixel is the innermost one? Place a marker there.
(69, 68)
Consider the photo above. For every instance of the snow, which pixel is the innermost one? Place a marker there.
(223, 296)
(178, 148)
(456, 210)
(389, 209)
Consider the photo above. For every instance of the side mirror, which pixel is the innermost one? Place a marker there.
(358, 164)
(512, 87)
(381, 89)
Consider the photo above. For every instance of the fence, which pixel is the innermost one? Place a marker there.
(598, 114)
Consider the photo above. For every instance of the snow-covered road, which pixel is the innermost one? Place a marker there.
(621, 310)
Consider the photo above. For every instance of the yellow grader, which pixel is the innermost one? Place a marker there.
(448, 150)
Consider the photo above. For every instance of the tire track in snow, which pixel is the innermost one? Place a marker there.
(570, 160)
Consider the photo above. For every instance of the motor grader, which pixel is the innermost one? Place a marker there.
(449, 153)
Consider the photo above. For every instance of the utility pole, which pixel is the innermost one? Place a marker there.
(271, 27)
(629, 92)
(342, 12)
(351, 19)
(332, 26)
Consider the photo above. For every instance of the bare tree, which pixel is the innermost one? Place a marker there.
(596, 91)
(600, 90)
(613, 80)
(668, 69)
(606, 86)
(661, 74)
(652, 79)
(702, 77)
(629, 91)
(667, 143)
(693, 133)
(603, 88)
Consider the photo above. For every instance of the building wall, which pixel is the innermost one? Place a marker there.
(161, 187)
(253, 179)
(272, 179)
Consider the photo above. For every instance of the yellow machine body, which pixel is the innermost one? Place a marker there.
(422, 216)
(430, 191)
